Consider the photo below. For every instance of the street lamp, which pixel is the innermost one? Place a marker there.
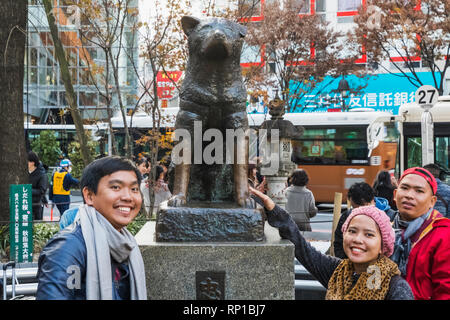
(344, 90)
(277, 150)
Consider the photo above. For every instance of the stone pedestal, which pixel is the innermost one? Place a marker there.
(209, 222)
(261, 270)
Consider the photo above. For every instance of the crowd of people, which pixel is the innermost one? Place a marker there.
(392, 243)
(392, 232)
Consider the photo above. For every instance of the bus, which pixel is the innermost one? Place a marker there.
(66, 133)
(139, 125)
(334, 148)
(334, 151)
(410, 141)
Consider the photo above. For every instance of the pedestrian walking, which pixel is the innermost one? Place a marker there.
(422, 239)
(300, 200)
(144, 167)
(96, 257)
(39, 184)
(367, 274)
(62, 182)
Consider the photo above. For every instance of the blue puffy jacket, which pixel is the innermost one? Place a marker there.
(62, 269)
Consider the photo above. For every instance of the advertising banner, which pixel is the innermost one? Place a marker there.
(165, 83)
(381, 92)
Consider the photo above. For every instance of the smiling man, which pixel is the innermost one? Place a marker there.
(96, 257)
(422, 242)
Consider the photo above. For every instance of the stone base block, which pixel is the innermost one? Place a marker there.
(218, 270)
(204, 222)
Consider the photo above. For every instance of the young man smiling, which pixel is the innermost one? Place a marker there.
(96, 257)
(422, 242)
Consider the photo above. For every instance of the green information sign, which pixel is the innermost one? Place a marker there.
(21, 223)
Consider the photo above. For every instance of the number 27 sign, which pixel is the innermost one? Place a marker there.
(427, 95)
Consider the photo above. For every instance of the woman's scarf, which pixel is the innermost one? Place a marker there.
(404, 230)
(102, 242)
(371, 285)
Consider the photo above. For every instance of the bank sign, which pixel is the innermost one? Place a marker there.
(382, 92)
(21, 223)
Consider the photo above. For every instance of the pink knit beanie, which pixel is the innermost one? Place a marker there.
(383, 222)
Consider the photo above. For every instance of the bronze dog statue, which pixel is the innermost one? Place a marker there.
(213, 92)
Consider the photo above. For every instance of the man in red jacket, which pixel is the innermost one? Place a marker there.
(422, 244)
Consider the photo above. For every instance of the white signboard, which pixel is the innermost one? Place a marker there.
(427, 95)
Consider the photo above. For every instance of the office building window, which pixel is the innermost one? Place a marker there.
(250, 8)
(321, 6)
(303, 6)
(348, 5)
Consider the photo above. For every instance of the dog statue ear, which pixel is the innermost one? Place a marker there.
(242, 30)
(188, 24)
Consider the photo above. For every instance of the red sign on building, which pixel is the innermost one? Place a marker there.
(165, 83)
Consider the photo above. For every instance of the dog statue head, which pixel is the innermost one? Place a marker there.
(215, 38)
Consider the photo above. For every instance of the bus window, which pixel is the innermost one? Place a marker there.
(414, 152)
(331, 146)
(442, 151)
(391, 132)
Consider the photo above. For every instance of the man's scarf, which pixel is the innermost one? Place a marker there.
(103, 241)
(404, 230)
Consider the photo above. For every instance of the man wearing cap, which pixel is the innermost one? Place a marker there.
(62, 181)
(422, 236)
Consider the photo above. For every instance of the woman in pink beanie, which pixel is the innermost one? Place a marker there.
(382, 222)
(367, 273)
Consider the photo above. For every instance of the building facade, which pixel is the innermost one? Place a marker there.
(384, 90)
(44, 92)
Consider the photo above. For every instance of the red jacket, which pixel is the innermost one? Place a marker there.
(428, 269)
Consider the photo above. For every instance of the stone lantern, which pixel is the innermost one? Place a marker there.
(276, 181)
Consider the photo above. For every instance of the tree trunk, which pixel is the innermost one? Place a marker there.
(108, 104)
(128, 142)
(13, 156)
(65, 76)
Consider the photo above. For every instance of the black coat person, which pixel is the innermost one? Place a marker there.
(39, 184)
